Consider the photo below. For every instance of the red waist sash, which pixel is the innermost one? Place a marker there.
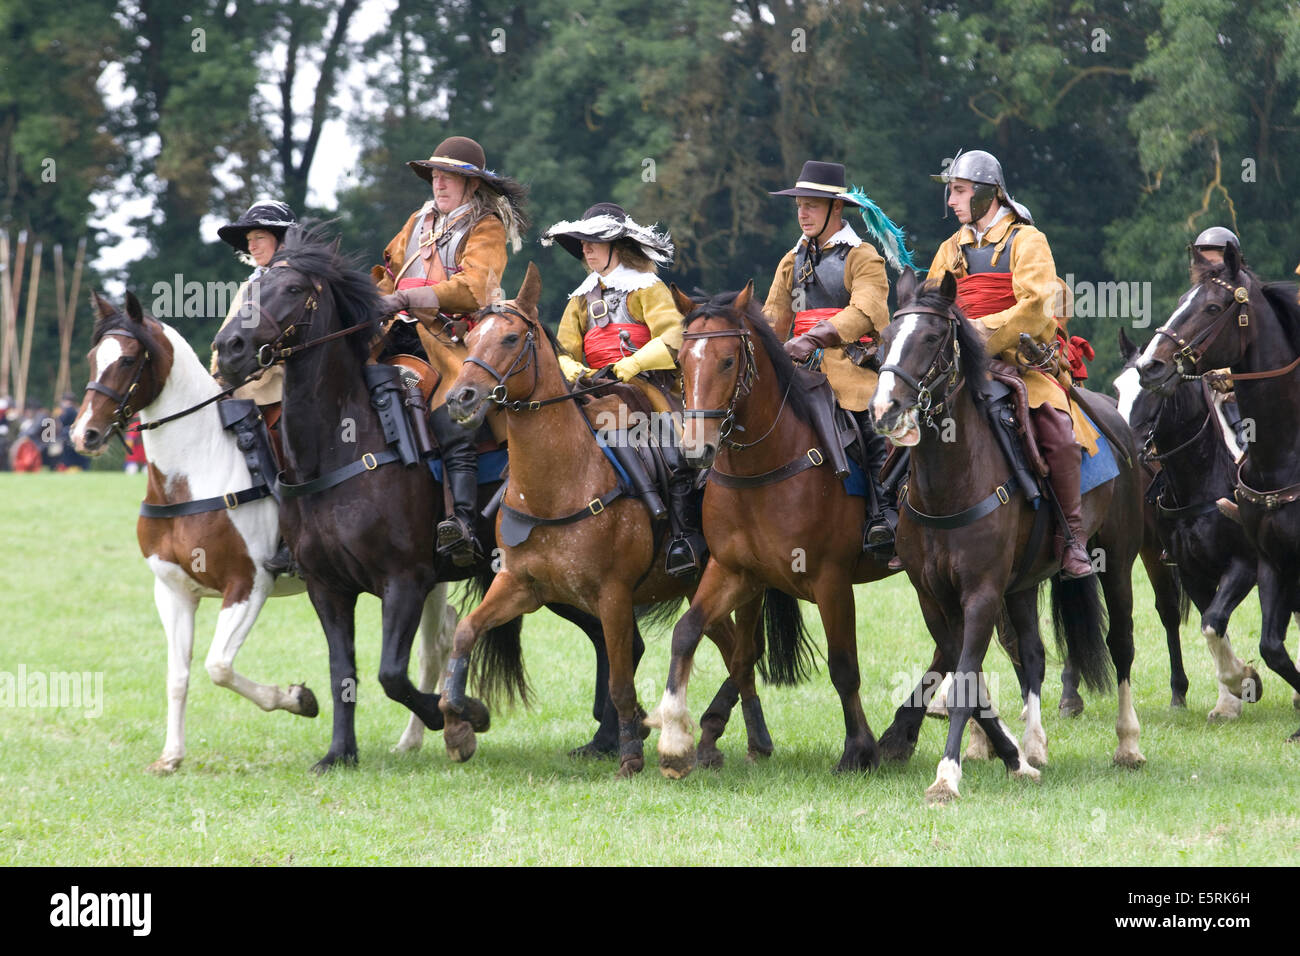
(805, 320)
(985, 293)
(602, 346)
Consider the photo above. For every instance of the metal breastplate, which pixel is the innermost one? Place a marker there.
(979, 259)
(445, 247)
(823, 284)
(616, 311)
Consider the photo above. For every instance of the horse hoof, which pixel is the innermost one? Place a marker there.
(408, 743)
(1178, 702)
(475, 713)
(629, 767)
(860, 761)
(1071, 706)
(895, 747)
(594, 751)
(675, 766)
(1027, 772)
(756, 754)
(164, 766)
(939, 793)
(1218, 716)
(307, 705)
(1252, 688)
(460, 741)
(330, 761)
(1035, 747)
(1132, 759)
(710, 758)
(979, 748)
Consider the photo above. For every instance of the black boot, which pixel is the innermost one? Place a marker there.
(882, 519)
(1233, 416)
(1064, 461)
(281, 562)
(687, 550)
(460, 474)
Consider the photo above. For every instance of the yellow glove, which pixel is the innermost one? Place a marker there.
(653, 355)
(572, 370)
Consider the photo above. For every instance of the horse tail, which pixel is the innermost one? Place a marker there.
(662, 614)
(790, 657)
(1080, 622)
(497, 665)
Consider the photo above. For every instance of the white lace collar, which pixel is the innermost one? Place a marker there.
(846, 236)
(620, 278)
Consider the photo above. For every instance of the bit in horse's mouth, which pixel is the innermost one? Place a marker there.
(907, 432)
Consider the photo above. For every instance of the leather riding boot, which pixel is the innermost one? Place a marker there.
(1064, 461)
(882, 520)
(1232, 414)
(282, 561)
(687, 550)
(460, 474)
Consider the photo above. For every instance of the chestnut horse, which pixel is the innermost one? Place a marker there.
(775, 515)
(356, 520)
(1229, 318)
(969, 552)
(138, 364)
(574, 535)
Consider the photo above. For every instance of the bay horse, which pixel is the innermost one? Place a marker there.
(1182, 435)
(965, 551)
(775, 515)
(139, 364)
(1231, 319)
(569, 532)
(355, 522)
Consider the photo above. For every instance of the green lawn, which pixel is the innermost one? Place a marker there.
(78, 597)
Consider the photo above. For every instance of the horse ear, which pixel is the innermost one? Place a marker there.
(530, 291)
(1231, 259)
(133, 308)
(103, 308)
(1126, 347)
(906, 286)
(685, 304)
(948, 287)
(741, 302)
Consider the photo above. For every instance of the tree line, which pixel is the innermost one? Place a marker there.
(1127, 126)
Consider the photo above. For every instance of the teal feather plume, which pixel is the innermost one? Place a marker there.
(886, 233)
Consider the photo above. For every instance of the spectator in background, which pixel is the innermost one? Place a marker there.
(135, 459)
(68, 459)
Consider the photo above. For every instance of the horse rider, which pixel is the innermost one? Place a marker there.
(621, 321)
(829, 292)
(445, 264)
(255, 237)
(1006, 281)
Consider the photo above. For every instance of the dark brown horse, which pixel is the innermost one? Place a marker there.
(775, 515)
(964, 548)
(1229, 318)
(568, 530)
(356, 519)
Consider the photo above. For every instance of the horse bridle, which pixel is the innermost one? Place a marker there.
(744, 385)
(123, 414)
(942, 366)
(1207, 336)
(527, 355)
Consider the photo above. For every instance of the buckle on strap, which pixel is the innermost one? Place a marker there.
(369, 460)
(815, 456)
(595, 506)
(603, 309)
(231, 500)
(1002, 494)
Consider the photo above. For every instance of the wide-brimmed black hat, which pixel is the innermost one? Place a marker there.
(465, 157)
(609, 222)
(269, 214)
(821, 181)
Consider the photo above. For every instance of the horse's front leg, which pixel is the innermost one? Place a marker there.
(720, 591)
(1237, 680)
(506, 599)
(403, 607)
(437, 624)
(1022, 611)
(898, 742)
(337, 611)
(834, 595)
(234, 623)
(1276, 600)
(747, 648)
(176, 608)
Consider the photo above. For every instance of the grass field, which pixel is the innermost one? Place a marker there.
(78, 597)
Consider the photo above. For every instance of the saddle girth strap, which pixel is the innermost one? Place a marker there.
(367, 462)
(230, 501)
(1000, 496)
(517, 525)
(812, 458)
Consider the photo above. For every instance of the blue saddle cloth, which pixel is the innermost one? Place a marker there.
(1099, 468)
(490, 466)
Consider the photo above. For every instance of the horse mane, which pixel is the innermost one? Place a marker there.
(1284, 297)
(118, 319)
(974, 358)
(309, 249)
(719, 305)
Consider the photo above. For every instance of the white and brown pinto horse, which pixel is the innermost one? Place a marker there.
(140, 365)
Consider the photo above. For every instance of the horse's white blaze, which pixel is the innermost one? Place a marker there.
(888, 381)
(1149, 352)
(107, 352)
(696, 350)
(486, 324)
(1129, 388)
